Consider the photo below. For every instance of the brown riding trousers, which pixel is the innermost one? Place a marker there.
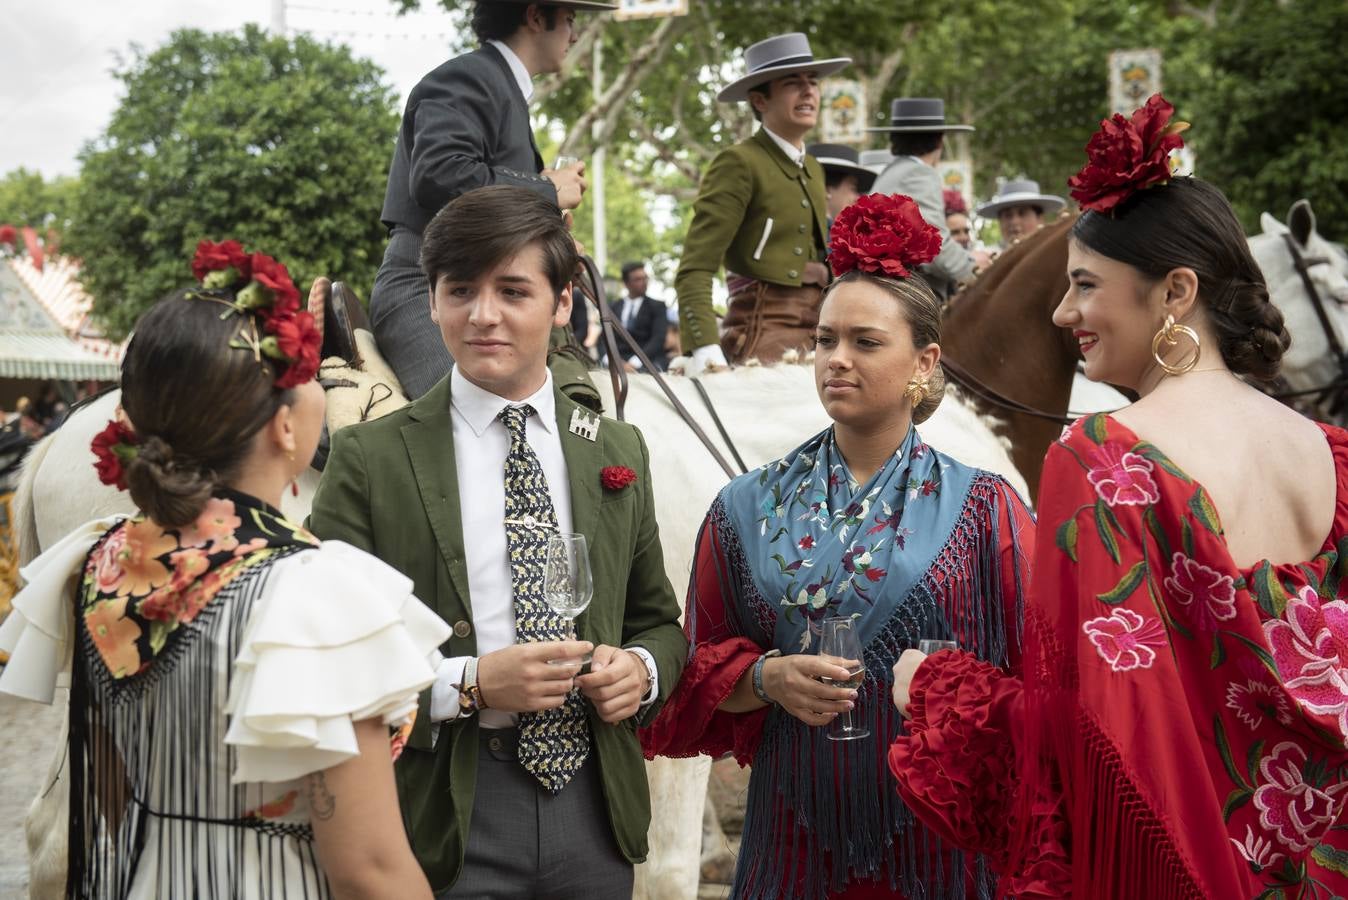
(765, 320)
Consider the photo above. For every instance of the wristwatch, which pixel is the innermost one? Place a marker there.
(470, 694)
(757, 680)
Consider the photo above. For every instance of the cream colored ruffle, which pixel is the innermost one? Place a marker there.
(336, 638)
(37, 634)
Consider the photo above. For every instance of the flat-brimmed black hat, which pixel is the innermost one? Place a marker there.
(842, 158)
(918, 114)
(776, 57)
(573, 4)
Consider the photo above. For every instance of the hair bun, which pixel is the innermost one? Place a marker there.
(170, 491)
(1253, 338)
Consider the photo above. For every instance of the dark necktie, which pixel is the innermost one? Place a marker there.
(554, 743)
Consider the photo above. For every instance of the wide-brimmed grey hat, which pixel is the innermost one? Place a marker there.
(842, 158)
(1021, 192)
(776, 57)
(919, 114)
(573, 4)
(876, 160)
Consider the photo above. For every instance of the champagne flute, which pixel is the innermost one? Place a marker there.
(568, 584)
(840, 639)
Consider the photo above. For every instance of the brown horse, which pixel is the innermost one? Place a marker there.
(999, 332)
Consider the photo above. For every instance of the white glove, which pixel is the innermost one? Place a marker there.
(705, 359)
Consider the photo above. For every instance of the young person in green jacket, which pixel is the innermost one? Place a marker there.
(760, 211)
(521, 778)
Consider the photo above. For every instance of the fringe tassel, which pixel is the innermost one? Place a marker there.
(151, 804)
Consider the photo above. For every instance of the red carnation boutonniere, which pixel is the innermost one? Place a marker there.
(615, 478)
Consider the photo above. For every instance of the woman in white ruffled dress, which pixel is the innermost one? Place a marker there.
(235, 685)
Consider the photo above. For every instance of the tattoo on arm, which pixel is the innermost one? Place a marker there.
(322, 803)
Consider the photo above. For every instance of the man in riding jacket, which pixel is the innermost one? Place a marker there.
(760, 211)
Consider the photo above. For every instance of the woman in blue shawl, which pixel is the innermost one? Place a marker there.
(866, 521)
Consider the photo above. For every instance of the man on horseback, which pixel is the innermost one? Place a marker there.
(760, 210)
(466, 126)
(1020, 208)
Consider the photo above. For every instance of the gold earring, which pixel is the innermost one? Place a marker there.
(916, 391)
(290, 455)
(1169, 335)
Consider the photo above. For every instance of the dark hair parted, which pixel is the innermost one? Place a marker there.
(195, 403)
(629, 268)
(915, 143)
(494, 21)
(1188, 223)
(477, 231)
(922, 311)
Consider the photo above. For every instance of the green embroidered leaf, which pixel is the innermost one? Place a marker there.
(1234, 801)
(159, 632)
(1157, 532)
(1264, 656)
(1224, 749)
(1187, 538)
(1067, 538)
(1095, 428)
(1106, 533)
(1252, 757)
(1271, 595)
(1331, 858)
(1218, 651)
(1149, 452)
(778, 534)
(1127, 584)
(1204, 511)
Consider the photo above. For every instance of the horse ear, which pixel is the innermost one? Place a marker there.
(1271, 225)
(1301, 221)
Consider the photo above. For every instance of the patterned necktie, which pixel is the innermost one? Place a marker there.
(555, 742)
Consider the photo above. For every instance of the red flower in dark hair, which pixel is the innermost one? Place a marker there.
(954, 202)
(298, 339)
(1127, 155)
(884, 235)
(273, 276)
(114, 447)
(211, 257)
(615, 478)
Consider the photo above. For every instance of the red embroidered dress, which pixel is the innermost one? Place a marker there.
(1187, 718)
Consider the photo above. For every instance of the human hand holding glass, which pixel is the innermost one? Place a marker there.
(840, 640)
(568, 584)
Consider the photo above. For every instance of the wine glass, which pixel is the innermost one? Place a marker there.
(840, 639)
(568, 584)
(928, 646)
(564, 161)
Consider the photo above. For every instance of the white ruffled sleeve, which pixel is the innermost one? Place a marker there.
(336, 638)
(38, 633)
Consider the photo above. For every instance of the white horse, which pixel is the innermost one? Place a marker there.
(767, 409)
(1308, 362)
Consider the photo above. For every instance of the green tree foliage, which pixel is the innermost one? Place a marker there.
(1271, 120)
(26, 198)
(281, 144)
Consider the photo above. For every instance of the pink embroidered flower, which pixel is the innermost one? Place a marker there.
(1310, 648)
(1122, 478)
(1207, 595)
(214, 527)
(1258, 851)
(1294, 812)
(1125, 639)
(106, 563)
(1256, 701)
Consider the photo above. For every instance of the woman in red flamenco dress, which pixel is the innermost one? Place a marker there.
(1179, 727)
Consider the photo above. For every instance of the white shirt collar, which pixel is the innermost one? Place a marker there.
(793, 153)
(480, 407)
(522, 76)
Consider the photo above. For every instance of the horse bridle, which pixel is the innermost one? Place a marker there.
(592, 287)
(1303, 266)
(982, 390)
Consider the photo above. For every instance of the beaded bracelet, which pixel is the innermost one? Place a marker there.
(757, 680)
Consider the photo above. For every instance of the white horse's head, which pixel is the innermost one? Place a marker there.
(1308, 361)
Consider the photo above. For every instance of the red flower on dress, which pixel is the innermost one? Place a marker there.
(1310, 649)
(8, 234)
(114, 447)
(1127, 155)
(212, 257)
(882, 234)
(298, 339)
(1122, 478)
(807, 542)
(615, 478)
(1125, 639)
(1296, 813)
(1207, 595)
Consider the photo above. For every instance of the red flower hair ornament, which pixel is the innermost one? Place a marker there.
(883, 234)
(114, 447)
(1127, 155)
(265, 295)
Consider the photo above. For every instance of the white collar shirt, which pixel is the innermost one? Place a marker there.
(793, 153)
(631, 307)
(517, 68)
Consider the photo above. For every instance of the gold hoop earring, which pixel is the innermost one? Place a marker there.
(1169, 335)
(916, 391)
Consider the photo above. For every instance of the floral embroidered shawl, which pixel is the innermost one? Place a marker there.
(1195, 713)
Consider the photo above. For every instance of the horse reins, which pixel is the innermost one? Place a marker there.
(1303, 266)
(980, 389)
(612, 329)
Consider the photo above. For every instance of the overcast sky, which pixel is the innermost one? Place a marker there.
(56, 91)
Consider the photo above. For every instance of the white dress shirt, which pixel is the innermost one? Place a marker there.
(793, 153)
(481, 444)
(631, 308)
(522, 76)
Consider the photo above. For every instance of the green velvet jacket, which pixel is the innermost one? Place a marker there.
(761, 215)
(391, 488)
